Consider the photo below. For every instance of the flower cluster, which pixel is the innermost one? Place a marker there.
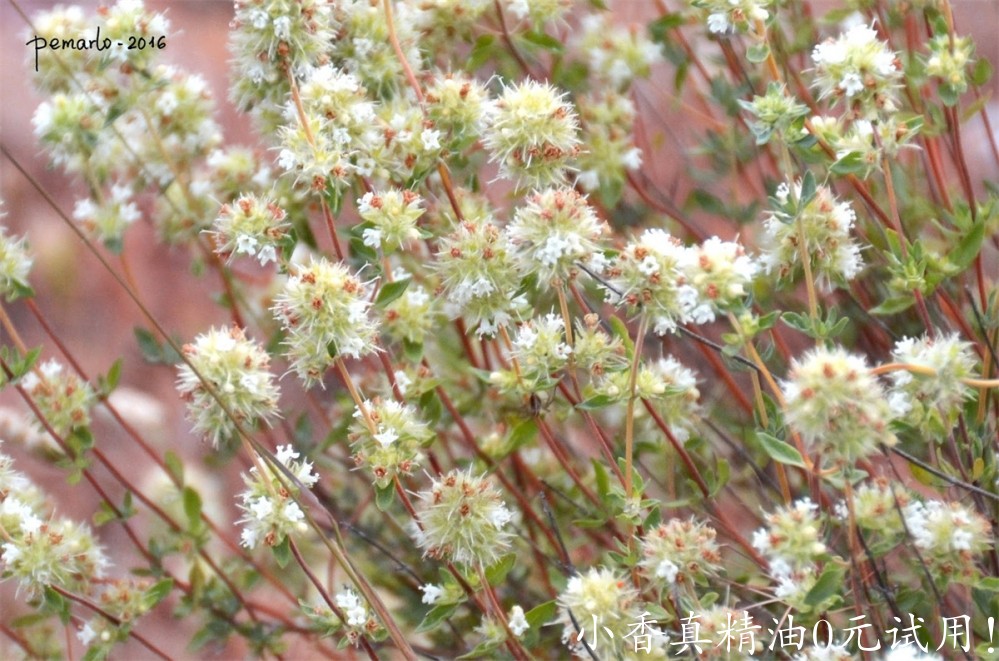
(479, 276)
(822, 224)
(40, 550)
(680, 551)
(226, 382)
(271, 513)
(392, 217)
(858, 66)
(63, 399)
(532, 131)
(388, 438)
(250, 226)
(461, 518)
(792, 537)
(648, 275)
(554, 230)
(15, 263)
(948, 535)
(932, 393)
(837, 405)
(323, 308)
(611, 153)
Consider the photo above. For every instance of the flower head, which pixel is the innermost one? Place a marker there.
(555, 229)
(15, 263)
(932, 401)
(680, 551)
(823, 223)
(837, 405)
(393, 447)
(531, 130)
(479, 276)
(62, 398)
(649, 274)
(237, 370)
(462, 519)
(792, 537)
(859, 67)
(270, 512)
(392, 215)
(323, 308)
(251, 226)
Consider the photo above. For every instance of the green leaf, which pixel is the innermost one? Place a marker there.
(497, 572)
(620, 330)
(390, 291)
(758, 53)
(780, 451)
(968, 247)
(601, 478)
(662, 25)
(174, 466)
(595, 402)
(541, 614)
(981, 72)
(113, 376)
(808, 188)
(192, 507)
(829, 584)
(481, 649)
(148, 345)
(544, 40)
(481, 52)
(435, 616)
(55, 603)
(384, 497)
(157, 593)
(991, 584)
(282, 552)
(521, 435)
(894, 304)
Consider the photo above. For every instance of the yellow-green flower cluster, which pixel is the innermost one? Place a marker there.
(392, 217)
(837, 405)
(251, 226)
(394, 446)
(323, 308)
(461, 518)
(225, 365)
(531, 130)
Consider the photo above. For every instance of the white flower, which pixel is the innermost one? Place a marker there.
(517, 621)
(431, 593)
